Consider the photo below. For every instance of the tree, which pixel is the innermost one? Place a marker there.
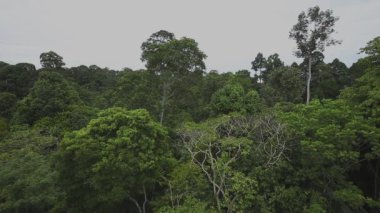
(373, 50)
(185, 181)
(18, 79)
(50, 95)
(313, 33)
(136, 90)
(214, 149)
(331, 141)
(233, 98)
(7, 104)
(265, 66)
(364, 95)
(284, 84)
(27, 180)
(115, 160)
(234, 153)
(273, 61)
(51, 60)
(259, 63)
(171, 60)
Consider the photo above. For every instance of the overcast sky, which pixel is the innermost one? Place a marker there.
(109, 33)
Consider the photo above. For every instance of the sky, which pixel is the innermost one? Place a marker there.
(231, 33)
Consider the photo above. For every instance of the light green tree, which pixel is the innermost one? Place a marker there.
(117, 159)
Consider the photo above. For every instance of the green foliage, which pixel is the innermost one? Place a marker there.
(216, 151)
(313, 31)
(117, 157)
(74, 118)
(17, 79)
(94, 84)
(373, 50)
(228, 99)
(3, 127)
(50, 95)
(312, 34)
(365, 93)
(7, 104)
(223, 148)
(136, 90)
(266, 66)
(27, 181)
(171, 60)
(284, 84)
(3, 64)
(329, 133)
(233, 98)
(185, 181)
(190, 205)
(51, 60)
(169, 56)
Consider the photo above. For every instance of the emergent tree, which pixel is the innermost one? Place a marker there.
(313, 33)
(171, 60)
(51, 60)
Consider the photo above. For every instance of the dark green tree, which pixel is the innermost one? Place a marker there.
(51, 60)
(27, 179)
(137, 90)
(258, 64)
(364, 95)
(284, 84)
(273, 61)
(328, 137)
(373, 50)
(7, 104)
(50, 95)
(171, 60)
(18, 79)
(265, 66)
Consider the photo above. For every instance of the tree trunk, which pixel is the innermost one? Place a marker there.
(136, 204)
(376, 182)
(163, 102)
(145, 200)
(308, 82)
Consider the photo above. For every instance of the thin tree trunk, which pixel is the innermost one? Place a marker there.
(376, 193)
(136, 204)
(308, 82)
(163, 102)
(145, 200)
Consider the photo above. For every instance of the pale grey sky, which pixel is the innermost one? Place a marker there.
(109, 33)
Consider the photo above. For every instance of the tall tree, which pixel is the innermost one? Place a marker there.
(171, 60)
(313, 33)
(258, 64)
(266, 65)
(51, 60)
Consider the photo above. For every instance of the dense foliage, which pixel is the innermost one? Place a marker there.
(173, 138)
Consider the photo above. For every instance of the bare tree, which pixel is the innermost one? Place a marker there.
(216, 147)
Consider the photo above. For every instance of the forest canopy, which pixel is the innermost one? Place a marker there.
(175, 138)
